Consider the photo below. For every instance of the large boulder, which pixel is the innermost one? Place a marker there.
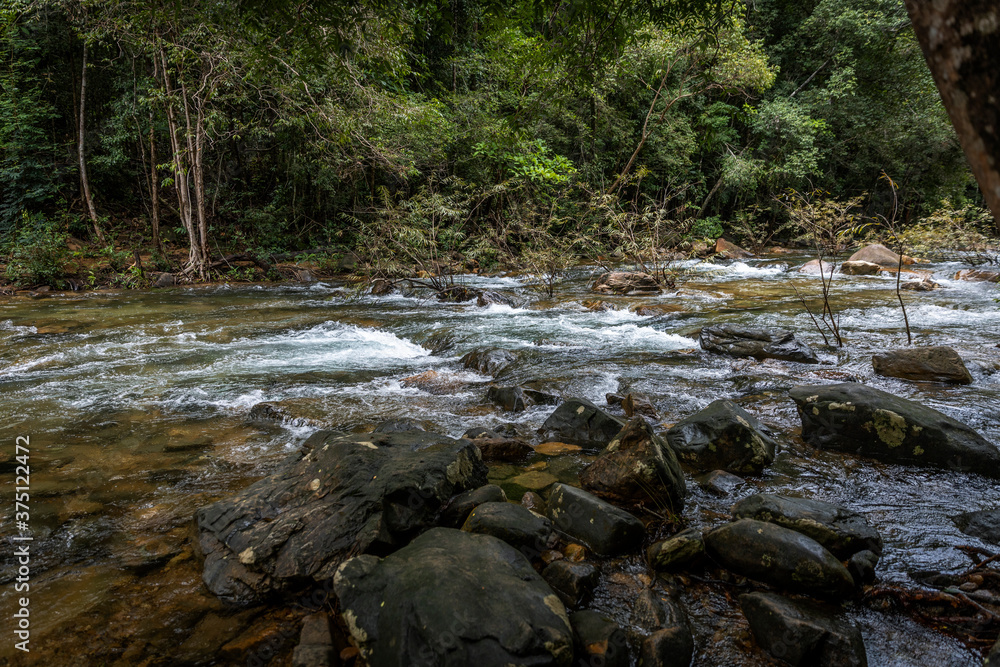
(803, 633)
(936, 364)
(737, 341)
(730, 250)
(817, 267)
(489, 361)
(637, 468)
(604, 528)
(339, 496)
(853, 418)
(859, 268)
(454, 598)
(723, 436)
(625, 282)
(984, 524)
(580, 422)
(780, 557)
(876, 253)
(842, 531)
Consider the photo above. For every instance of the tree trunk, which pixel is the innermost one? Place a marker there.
(961, 42)
(80, 146)
(154, 188)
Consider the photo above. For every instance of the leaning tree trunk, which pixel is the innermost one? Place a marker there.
(81, 150)
(961, 42)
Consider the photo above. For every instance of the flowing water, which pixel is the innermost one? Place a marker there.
(137, 408)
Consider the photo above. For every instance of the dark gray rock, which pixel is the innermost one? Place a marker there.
(780, 557)
(654, 610)
(984, 524)
(600, 525)
(678, 551)
(164, 280)
(842, 531)
(993, 659)
(315, 648)
(737, 341)
(399, 425)
(720, 482)
(580, 422)
(340, 495)
(510, 399)
(459, 507)
(517, 526)
(637, 468)
(803, 633)
(853, 418)
(490, 298)
(455, 598)
(489, 361)
(506, 450)
(572, 582)
(929, 364)
(534, 502)
(601, 641)
(669, 647)
(861, 565)
(723, 436)
(625, 282)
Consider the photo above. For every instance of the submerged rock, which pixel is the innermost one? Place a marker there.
(517, 526)
(876, 253)
(600, 525)
(859, 268)
(720, 482)
(842, 531)
(984, 524)
(935, 364)
(637, 467)
(489, 361)
(853, 418)
(778, 556)
(435, 383)
(340, 495)
(580, 422)
(455, 598)
(737, 341)
(626, 282)
(723, 436)
(803, 633)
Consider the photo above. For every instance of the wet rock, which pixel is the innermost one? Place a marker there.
(457, 294)
(490, 298)
(678, 551)
(601, 640)
(636, 468)
(853, 418)
(632, 404)
(778, 556)
(859, 268)
(572, 582)
(984, 524)
(730, 250)
(720, 482)
(534, 502)
(925, 285)
(580, 422)
(625, 282)
(399, 425)
(993, 659)
(339, 495)
(268, 412)
(433, 382)
(803, 633)
(815, 266)
(315, 647)
(737, 341)
(303, 276)
(515, 525)
(876, 253)
(509, 450)
(600, 525)
(723, 436)
(669, 647)
(440, 341)
(599, 306)
(163, 280)
(459, 508)
(533, 480)
(934, 364)
(489, 361)
(978, 276)
(862, 567)
(842, 531)
(457, 598)
(510, 399)
(381, 287)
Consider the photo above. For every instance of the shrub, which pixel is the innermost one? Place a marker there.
(37, 253)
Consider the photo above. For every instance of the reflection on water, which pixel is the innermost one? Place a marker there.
(137, 405)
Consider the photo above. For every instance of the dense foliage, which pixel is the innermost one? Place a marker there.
(420, 132)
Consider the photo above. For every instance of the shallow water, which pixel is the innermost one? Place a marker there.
(137, 408)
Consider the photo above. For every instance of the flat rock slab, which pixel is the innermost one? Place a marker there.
(625, 282)
(723, 436)
(580, 422)
(604, 528)
(737, 341)
(803, 633)
(453, 598)
(851, 417)
(780, 557)
(339, 496)
(842, 531)
(930, 364)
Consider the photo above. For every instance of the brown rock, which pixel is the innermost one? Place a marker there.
(859, 268)
(556, 448)
(877, 253)
(978, 276)
(813, 266)
(599, 306)
(925, 285)
(657, 309)
(730, 250)
(934, 364)
(632, 404)
(434, 383)
(625, 282)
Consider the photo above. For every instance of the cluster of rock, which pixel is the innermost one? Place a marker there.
(432, 565)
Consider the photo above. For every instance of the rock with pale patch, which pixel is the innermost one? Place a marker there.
(604, 528)
(854, 418)
(580, 422)
(860, 268)
(815, 266)
(938, 363)
(723, 436)
(453, 598)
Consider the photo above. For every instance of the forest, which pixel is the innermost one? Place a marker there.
(207, 139)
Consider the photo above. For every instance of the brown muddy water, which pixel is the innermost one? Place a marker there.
(137, 407)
